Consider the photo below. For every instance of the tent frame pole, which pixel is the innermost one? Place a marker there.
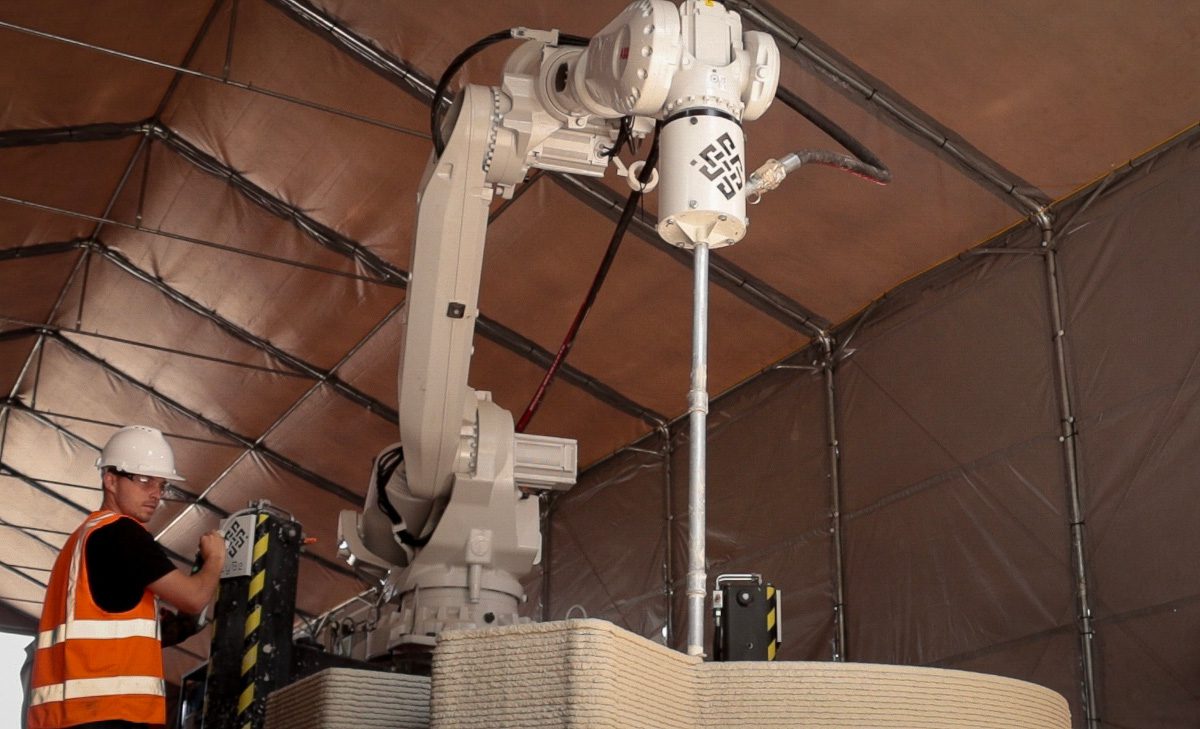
(668, 576)
(1087, 633)
(840, 650)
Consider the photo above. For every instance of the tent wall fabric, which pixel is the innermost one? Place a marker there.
(954, 470)
(206, 217)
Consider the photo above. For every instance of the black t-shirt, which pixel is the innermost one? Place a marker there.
(122, 559)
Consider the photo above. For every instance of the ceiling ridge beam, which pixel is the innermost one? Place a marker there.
(199, 501)
(97, 132)
(41, 249)
(238, 332)
(759, 294)
(899, 112)
(254, 446)
(19, 333)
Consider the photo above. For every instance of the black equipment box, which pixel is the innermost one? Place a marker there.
(746, 619)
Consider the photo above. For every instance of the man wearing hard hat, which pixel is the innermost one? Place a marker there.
(98, 662)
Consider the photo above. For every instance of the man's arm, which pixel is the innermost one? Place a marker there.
(191, 592)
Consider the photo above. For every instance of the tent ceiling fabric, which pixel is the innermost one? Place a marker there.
(222, 253)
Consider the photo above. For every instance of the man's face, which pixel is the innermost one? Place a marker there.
(134, 495)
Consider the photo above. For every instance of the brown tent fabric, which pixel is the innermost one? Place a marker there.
(206, 214)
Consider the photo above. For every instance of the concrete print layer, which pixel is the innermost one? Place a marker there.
(589, 673)
(344, 698)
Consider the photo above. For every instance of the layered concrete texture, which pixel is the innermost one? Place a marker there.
(590, 673)
(345, 698)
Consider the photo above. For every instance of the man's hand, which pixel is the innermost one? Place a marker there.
(190, 593)
(212, 549)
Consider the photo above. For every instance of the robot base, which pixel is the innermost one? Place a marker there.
(426, 612)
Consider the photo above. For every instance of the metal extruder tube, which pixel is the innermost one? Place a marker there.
(698, 413)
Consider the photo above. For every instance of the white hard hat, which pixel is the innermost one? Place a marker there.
(139, 449)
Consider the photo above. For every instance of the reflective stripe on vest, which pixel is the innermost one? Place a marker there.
(104, 517)
(82, 688)
(99, 630)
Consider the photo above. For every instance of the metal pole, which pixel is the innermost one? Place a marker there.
(697, 581)
(547, 556)
(668, 530)
(835, 500)
(1087, 634)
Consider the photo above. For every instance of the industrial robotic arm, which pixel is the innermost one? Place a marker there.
(447, 526)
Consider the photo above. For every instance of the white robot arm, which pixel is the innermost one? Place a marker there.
(448, 524)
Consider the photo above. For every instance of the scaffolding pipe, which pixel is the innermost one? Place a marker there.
(835, 499)
(1087, 632)
(697, 580)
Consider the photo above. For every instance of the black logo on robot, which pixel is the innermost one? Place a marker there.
(720, 164)
(235, 537)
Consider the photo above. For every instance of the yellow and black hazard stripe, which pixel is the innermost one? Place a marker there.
(772, 623)
(252, 634)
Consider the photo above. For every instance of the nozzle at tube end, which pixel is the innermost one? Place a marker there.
(769, 176)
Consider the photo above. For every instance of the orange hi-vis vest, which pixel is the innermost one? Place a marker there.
(93, 665)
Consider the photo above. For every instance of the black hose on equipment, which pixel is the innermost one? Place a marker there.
(870, 166)
(435, 112)
(610, 254)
